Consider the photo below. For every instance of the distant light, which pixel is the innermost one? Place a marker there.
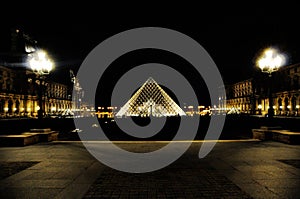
(297, 106)
(289, 107)
(17, 30)
(280, 107)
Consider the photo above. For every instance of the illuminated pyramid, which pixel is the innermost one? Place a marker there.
(150, 100)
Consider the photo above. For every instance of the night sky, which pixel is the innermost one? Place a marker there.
(233, 41)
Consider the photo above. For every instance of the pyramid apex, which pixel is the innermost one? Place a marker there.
(150, 79)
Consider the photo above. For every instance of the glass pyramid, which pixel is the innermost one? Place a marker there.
(150, 100)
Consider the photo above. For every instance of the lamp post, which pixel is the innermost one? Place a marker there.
(270, 61)
(259, 109)
(41, 65)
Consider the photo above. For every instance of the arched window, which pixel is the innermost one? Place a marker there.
(10, 105)
(2, 102)
(293, 103)
(286, 103)
(17, 107)
(280, 103)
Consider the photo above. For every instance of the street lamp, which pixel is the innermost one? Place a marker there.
(259, 108)
(41, 65)
(270, 61)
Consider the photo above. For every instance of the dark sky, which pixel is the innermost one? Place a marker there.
(232, 40)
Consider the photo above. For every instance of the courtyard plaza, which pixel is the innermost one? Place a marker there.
(246, 168)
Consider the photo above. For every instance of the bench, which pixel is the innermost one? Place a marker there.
(40, 130)
(18, 140)
(276, 134)
(286, 136)
(44, 136)
(27, 138)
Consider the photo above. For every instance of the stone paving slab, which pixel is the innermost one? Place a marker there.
(202, 181)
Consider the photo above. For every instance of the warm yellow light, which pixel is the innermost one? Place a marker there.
(297, 106)
(40, 62)
(288, 107)
(259, 106)
(270, 60)
(37, 108)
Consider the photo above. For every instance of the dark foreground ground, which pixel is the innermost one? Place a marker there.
(235, 127)
(235, 169)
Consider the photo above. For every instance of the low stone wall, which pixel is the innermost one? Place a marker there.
(280, 135)
(27, 138)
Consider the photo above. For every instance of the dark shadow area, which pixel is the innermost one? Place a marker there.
(235, 127)
(10, 168)
(113, 132)
(17, 126)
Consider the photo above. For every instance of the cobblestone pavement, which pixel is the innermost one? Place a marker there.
(234, 169)
(201, 181)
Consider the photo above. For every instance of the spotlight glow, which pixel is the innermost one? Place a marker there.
(40, 62)
(271, 60)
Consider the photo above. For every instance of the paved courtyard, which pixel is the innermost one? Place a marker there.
(234, 169)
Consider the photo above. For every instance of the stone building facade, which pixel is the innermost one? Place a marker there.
(239, 96)
(19, 96)
(252, 96)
